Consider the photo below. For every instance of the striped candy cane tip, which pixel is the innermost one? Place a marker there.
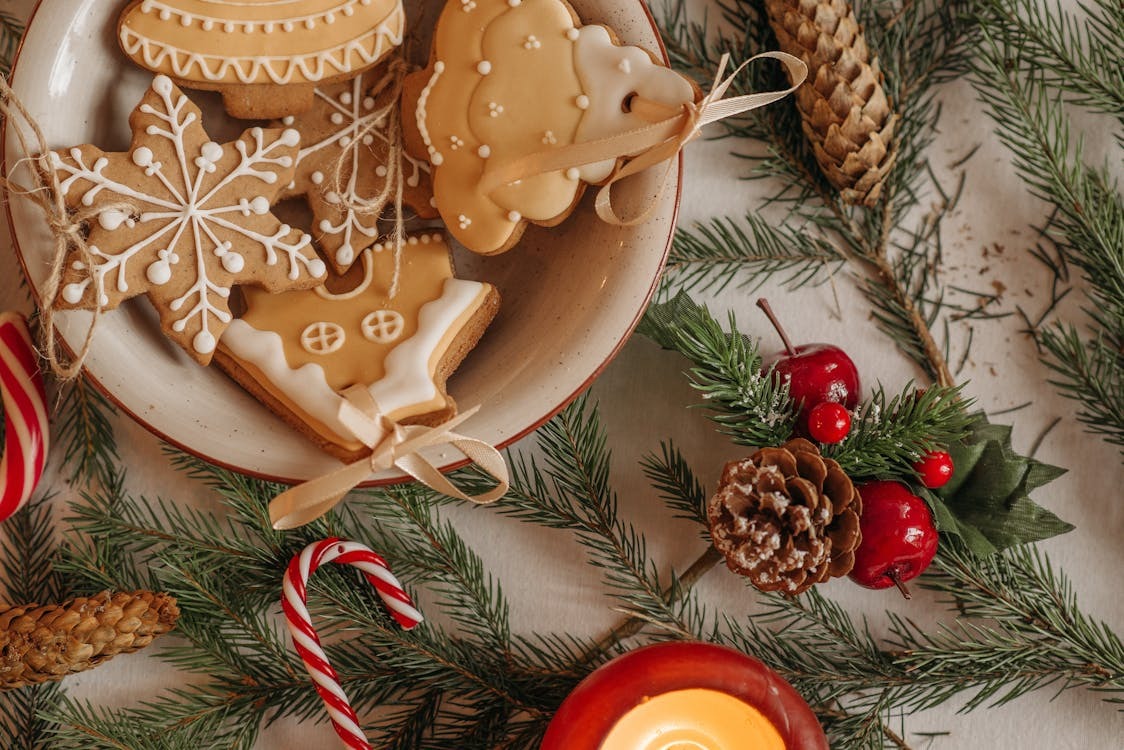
(307, 642)
(26, 424)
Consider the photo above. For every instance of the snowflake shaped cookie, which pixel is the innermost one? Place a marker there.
(201, 219)
(342, 168)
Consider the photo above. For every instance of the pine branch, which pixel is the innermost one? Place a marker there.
(753, 409)
(23, 721)
(1079, 56)
(676, 484)
(1088, 223)
(721, 251)
(406, 530)
(1088, 372)
(571, 491)
(887, 439)
(28, 554)
(85, 430)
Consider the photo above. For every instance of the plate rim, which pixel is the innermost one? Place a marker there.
(201, 453)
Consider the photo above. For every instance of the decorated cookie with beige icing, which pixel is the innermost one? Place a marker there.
(344, 167)
(299, 352)
(265, 56)
(509, 78)
(182, 219)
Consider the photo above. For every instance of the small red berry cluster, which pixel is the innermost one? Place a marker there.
(899, 537)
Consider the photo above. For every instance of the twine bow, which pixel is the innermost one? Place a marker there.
(393, 446)
(668, 131)
(67, 228)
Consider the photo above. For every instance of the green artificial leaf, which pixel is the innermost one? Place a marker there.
(664, 320)
(987, 502)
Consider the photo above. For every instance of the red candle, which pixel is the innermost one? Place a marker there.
(684, 696)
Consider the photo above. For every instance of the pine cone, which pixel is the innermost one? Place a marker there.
(46, 643)
(846, 114)
(786, 518)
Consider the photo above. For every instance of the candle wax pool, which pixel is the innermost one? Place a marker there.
(693, 719)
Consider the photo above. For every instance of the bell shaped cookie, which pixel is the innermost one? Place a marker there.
(265, 56)
(299, 352)
(511, 78)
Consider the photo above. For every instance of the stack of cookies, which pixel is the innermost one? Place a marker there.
(302, 315)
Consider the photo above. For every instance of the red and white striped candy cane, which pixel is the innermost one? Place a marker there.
(307, 643)
(25, 415)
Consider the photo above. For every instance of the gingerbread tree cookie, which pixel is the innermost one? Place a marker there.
(509, 78)
(264, 56)
(343, 167)
(298, 352)
(201, 219)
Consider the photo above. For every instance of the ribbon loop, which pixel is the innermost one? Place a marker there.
(392, 446)
(668, 131)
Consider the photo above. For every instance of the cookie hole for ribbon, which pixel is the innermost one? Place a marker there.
(626, 103)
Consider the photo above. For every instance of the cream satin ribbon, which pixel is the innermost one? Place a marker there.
(670, 130)
(393, 445)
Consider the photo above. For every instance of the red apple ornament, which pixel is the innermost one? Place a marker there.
(815, 372)
(898, 537)
(684, 695)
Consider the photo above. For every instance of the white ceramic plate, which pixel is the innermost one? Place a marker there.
(571, 294)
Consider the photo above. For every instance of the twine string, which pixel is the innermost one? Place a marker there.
(393, 188)
(67, 228)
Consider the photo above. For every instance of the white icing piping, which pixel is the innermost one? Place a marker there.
(369, 268)
(407, 380)
(421, 114)
(278, 69)
(368, 276)
(353, 121)
(207, 23)
(306, 386)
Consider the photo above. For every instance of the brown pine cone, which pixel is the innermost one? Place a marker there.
(786, 518)
(847, 116)
(46, 643)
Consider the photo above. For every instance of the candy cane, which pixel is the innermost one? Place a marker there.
(306, 641)
(25, 415)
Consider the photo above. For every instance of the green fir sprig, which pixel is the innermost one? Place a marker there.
(888, 436)
(1029, 63)
(476, 684)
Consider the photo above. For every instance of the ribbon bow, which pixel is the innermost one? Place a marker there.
(668, 131)
(392, 445)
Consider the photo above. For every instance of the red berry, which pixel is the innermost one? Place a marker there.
(829, 422)
(935, 469)
(899, 539)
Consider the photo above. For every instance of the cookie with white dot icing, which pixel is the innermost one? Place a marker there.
(264, 56)
(298, 352)
(344, 170)
(183, 219)
(509, 78)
